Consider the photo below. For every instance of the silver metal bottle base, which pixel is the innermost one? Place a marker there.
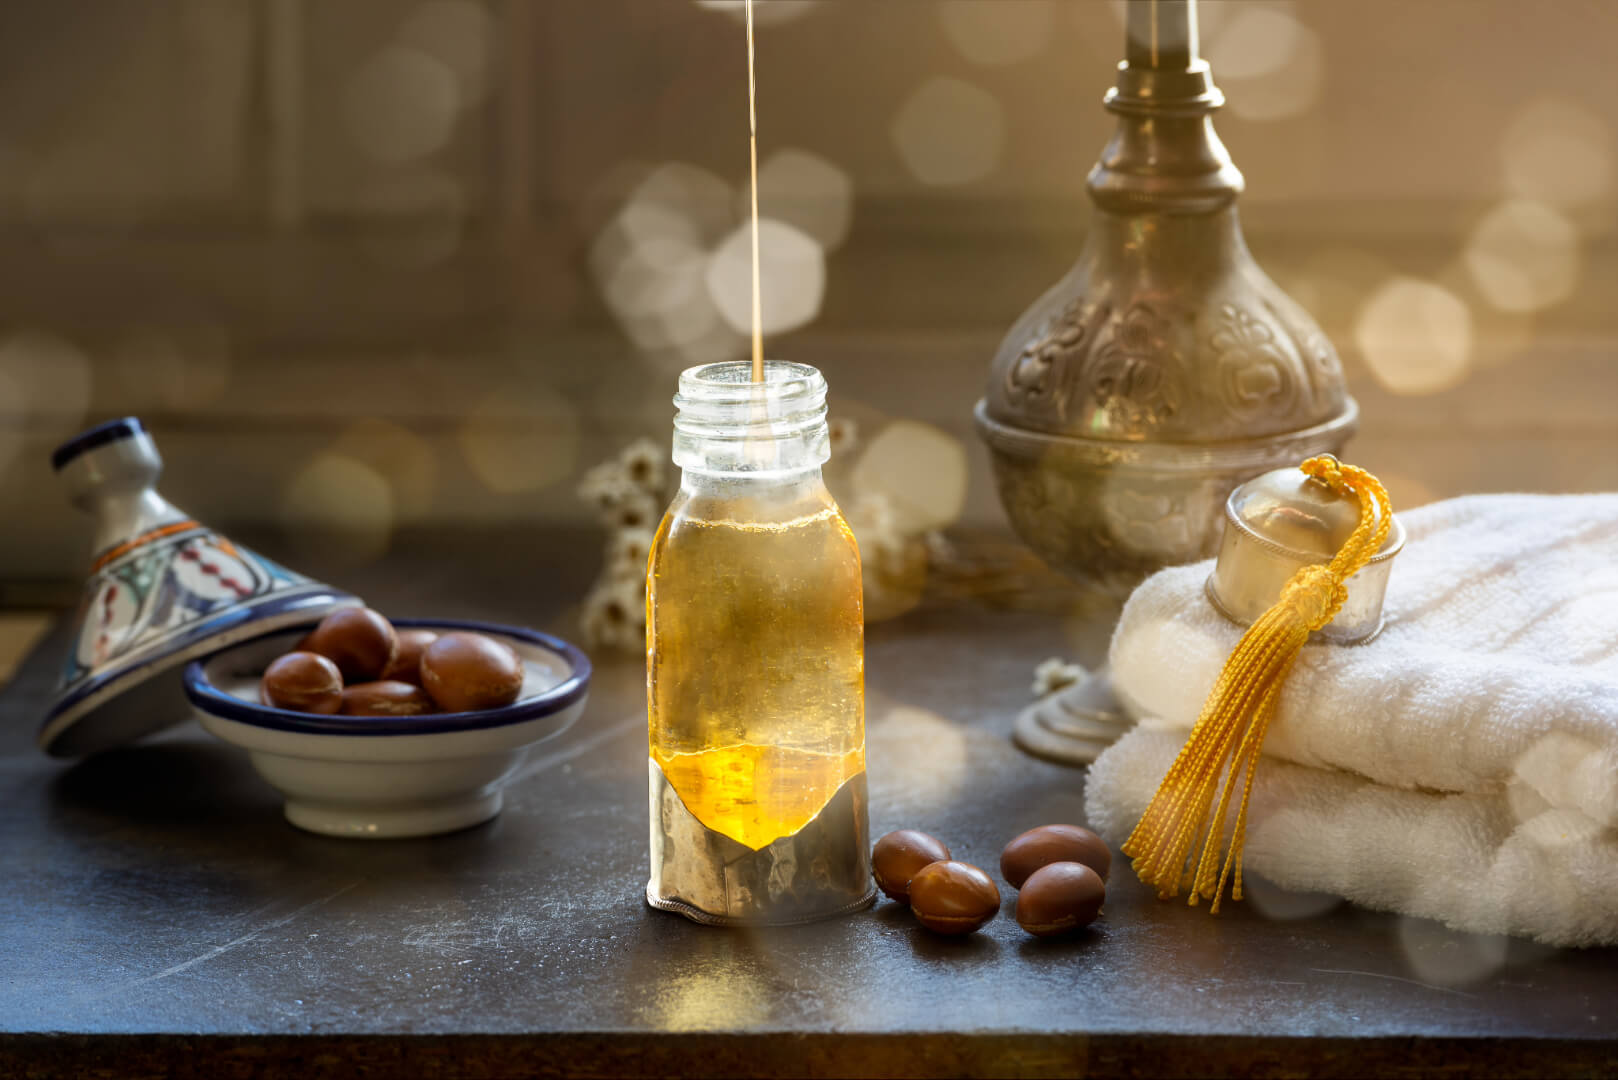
(1073, 726)
(819, 872)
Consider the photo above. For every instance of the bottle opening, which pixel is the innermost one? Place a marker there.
(725, 422)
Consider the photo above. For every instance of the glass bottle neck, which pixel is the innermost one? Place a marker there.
(725, 424)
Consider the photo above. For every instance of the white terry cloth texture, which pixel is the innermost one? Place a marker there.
(1462, 766)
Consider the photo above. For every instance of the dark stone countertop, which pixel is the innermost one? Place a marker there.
(161, 918)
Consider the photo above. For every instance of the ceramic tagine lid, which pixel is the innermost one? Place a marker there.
(163, 589)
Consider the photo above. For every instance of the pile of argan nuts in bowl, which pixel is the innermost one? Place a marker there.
(356, 664)
(1060, 872)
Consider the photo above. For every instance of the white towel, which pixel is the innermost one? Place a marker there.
(1463, 766)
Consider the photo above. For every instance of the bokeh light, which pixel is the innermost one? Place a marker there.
(401, 105)
(650, 266)
(1416, 336)
(401, 457)
(1558, 151)
(920, 761)
(950, 133)
(1284, 905)
(1437, 954)
(1500, 335)
(701, 197)
(809, 193)
(920, 470)
(998, 34)
(338, 509)
(1573, 767)
(460, 35)
(1270, 65)
(708, 999)
(1524, 256)
(674, 263)
(1334, 283)
(521, 438)
(1257, 41)
(651, 262)
(792, 268)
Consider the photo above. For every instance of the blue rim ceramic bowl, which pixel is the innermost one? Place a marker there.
(377, 777)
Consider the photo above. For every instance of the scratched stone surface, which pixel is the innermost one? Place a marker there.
(155, 907)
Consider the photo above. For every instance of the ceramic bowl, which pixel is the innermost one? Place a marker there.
(361, 776)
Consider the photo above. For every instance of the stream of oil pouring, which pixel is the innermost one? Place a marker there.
(752, 133)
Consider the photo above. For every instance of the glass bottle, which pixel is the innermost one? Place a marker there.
(755, 662)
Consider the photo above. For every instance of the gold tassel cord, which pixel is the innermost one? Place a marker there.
(1229, 734)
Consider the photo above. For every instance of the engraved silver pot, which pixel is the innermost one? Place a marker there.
(1163, 371)
(1165, 368)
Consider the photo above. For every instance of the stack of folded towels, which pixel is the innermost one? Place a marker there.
(1462, 766)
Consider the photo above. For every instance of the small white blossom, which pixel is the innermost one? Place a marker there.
(643, 462)
(843, 434)
(877, 530)
(615, 616)
(627, 552)
(605, 485)
(1056, 674)
(635, 510)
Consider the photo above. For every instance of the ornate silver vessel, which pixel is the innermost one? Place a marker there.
(1165, 368)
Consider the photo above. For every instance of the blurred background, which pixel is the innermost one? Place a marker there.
(377, 270)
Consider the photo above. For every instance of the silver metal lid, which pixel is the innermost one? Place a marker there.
(1280, 522)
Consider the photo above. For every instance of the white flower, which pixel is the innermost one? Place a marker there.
(642, 461)
(876, 529)
(604, 485)
(627, 551)
(634, 511)
(842, 433)
(615, 616)
(1056, 674)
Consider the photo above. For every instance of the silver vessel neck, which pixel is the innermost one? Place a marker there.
(1165, 156)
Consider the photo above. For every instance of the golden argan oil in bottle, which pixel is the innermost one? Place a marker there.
(755, 662)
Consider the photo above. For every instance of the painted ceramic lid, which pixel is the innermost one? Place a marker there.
(163, 589)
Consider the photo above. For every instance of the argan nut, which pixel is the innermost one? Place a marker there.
(302, 682)
(1050, 844)
(386, 697)
(465, 672)
(953, 897)
(1059, 898)
(406, 665)
(358, 640)
(897, 857)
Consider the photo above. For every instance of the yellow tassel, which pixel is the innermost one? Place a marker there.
(1237, 713)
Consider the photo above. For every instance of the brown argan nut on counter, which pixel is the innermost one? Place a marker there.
(1058, 898)
(465, 672)
(406, 665)
(358, 640)
(953, 897)
(386, 697)
(1053, 843)
(897, 857)
(303, 682)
